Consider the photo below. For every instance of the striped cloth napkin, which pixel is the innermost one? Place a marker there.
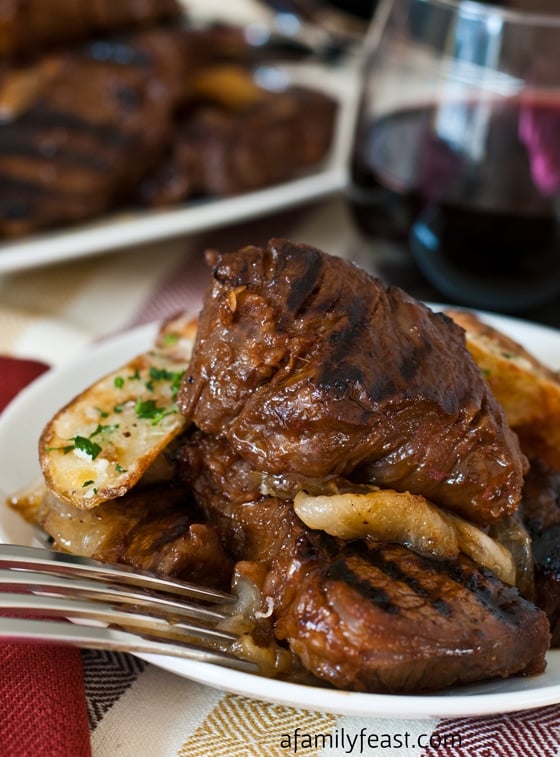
(68, 704)
(42, 700)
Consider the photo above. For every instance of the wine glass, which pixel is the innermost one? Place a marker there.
(457, 148)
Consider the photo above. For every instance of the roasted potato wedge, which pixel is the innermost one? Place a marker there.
(101, 443)
(528, 391)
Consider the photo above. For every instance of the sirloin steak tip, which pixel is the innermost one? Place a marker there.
(309, 365)
(364, 616)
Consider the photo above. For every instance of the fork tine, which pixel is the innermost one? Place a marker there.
(100, 637)
(130, 611)
(29, 558)
(149, 625)
(37, 582)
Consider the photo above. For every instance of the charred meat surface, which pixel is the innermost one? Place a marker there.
(540, 511)
(385, 619)
(218, 151)
(147, 118)
(308, 365)
(28, 27)
(93, 127)
(361, 616)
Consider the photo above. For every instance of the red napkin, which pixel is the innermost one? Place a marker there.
(43, 710)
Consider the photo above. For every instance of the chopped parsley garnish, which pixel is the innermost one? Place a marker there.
(171, 338)
(100, 429)
(119, 382)
(92, 449)
(120, 469)
(85, 443)
(66, 449)
(88, 483)
(134, 376)
(162, 374)
(148, 409)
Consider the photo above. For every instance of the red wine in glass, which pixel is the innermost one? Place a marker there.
(472, 187)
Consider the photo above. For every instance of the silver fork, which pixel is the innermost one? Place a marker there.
(114, 607)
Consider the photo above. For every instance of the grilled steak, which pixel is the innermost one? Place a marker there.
(385, 619)
(309, 366)
(28, 27)
(222, 152)
(117, 121)
(96, 123)
(371, 617)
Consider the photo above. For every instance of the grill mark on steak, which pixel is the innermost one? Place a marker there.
(21, 198)
(304, 286)
(65, 139)
(480, 583)
(477, 582)
(339, 570)
(442, 607)
(27, 189)
(337, 373)
(409, 362)
(52, 154)
(393, 570)
(45, 117)
(23, 190)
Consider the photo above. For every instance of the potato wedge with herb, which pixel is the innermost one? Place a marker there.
(100, 444)
(528, 390)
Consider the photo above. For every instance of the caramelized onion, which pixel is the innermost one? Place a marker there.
(245, 615)
(513, 535)
(404, 518)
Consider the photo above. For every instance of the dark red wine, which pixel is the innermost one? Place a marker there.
(473, 189)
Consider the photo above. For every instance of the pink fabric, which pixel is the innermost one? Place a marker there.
(43, 710)
(531, 732)
(15, 373)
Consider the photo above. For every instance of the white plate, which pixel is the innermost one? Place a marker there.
(141, 226)
(20, 426)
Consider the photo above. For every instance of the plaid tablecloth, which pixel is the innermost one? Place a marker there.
(50, 316)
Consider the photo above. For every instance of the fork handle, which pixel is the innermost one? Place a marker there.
(94, 637)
